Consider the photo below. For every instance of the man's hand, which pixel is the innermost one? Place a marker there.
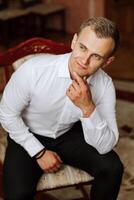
(80, 94)
(50, 161)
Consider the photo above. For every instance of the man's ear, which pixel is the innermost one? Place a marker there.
(74, 41)
(109, 61)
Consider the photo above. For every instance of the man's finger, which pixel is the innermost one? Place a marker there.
(78, 79)
(58, 158)
(85, 80)
(75, 85)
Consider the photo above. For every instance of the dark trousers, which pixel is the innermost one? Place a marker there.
(21, 172)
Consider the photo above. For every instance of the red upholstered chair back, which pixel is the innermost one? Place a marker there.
(30, 46)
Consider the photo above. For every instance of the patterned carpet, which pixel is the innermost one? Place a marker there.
(125, 148)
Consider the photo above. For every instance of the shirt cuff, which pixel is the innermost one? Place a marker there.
(94, 121)
(33, 146)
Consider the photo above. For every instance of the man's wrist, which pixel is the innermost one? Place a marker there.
(87, 111)
(40, 154)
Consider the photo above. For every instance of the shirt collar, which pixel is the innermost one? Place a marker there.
(90, 80)
(64, 69)
(63, 66)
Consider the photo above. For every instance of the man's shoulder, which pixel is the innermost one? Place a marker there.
(102, 83)
(102, 76)
(102, 80)
(36, 65)
(38, 62)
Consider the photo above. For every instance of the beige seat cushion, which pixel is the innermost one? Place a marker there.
(66, 176)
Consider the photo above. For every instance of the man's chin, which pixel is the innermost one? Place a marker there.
(82, 75)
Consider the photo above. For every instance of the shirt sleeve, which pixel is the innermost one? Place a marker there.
(100, 129)
(16, 97)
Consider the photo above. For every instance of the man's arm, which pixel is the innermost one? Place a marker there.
(16, 97)
(99, 123)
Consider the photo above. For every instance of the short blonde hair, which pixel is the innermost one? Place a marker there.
(104, 28)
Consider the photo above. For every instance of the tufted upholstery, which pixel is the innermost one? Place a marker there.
(66, 176)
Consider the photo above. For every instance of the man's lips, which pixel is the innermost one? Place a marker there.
(81, 65)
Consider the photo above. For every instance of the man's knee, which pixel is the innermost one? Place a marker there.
(113, 166)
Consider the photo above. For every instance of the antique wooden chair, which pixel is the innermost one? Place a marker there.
(11, 60)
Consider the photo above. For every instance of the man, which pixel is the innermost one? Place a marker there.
(45, 97)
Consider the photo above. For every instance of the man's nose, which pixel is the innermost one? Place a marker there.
(85, 59)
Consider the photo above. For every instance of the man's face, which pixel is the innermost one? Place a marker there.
(89, 53)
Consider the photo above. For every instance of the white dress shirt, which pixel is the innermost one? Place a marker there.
(35, 98)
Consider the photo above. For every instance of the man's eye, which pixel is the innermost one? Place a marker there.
(82, 47)
(96, 57)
